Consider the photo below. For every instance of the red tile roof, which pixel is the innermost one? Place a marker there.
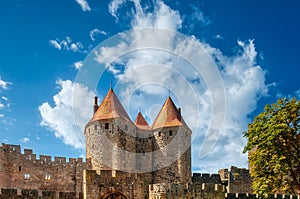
(110, 108)
(141, 123)
(168, 116)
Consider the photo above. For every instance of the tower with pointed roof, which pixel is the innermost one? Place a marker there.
(108, 133)
(173, 140)
(160, 152)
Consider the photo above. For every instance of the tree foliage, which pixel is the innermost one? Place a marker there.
(274, 148)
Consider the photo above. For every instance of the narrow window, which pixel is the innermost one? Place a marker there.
(106, 125)
(126, 127)
(170, 133)
(144, 153)
(159, 133)
(20, 168)
(95, 127)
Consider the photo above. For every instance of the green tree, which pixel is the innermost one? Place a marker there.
(274, 148)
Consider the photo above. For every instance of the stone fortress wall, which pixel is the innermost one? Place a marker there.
(57, 178)
(26, 171)
(46, 177)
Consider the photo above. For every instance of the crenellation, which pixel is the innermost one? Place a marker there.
(36, 194)
(44, 158)
(61, 160)
(28, 152)
(206, 178)
(10, 148)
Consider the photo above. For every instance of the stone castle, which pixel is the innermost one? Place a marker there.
(124, 159)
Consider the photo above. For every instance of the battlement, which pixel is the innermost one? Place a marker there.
(36, 194)
(204, 190)
(199, 190)
(28, 155)
(206, 178)
(250, 196)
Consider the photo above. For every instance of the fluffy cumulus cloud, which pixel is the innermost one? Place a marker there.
(145, 75)
(66, 118)
(84, 5)
(66, 44)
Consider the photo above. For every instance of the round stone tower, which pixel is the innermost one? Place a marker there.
(110, 135)
(172, 147)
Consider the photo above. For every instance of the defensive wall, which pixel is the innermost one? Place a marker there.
(26, 171)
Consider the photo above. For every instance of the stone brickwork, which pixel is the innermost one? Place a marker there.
(26, 171)
(133, 186)
(116, 144)
(35, 194)
(206, 178)
(239, 180)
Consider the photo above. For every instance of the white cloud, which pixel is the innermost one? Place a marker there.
(78, 64)
(197, 17)
(66, 118)
(218, 36)
(24, 140)
(84, 5)
(74, 48)
(55, 44)
(4, 103)
(114, 6)
(95, 32)
(243, 78)
(66, 44)
(4, 84)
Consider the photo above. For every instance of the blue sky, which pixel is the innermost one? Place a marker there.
(44, 45)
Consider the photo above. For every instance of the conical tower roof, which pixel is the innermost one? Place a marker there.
(141, 123)
(110, 108)
(168, 116)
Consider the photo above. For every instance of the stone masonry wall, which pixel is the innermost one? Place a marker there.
(202, 191)
(239, 180)
(131, 185)
(26, 171)
(111, 144)
(172, 157)
(35, 194)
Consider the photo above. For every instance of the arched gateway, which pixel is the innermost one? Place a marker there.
(113, 195)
